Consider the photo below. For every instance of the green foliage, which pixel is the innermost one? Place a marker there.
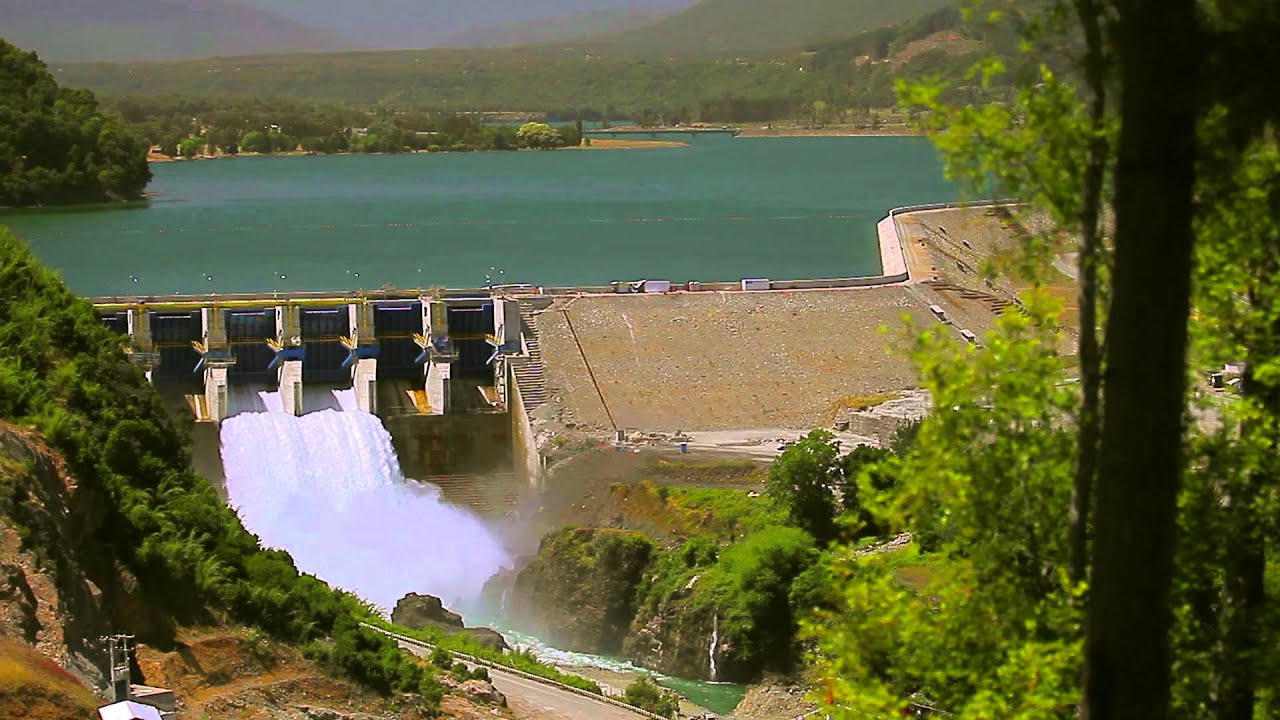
(522, 661)
(645, 694)
(743, 589)
(372, 660)
(56, 147)
(65, 374)
(803, 481)
(989, 628)
(539, 136)
(283, 126)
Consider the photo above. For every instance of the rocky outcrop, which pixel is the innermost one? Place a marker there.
(775, 698)
(420, 612)
(47, 599)
(677, 641)
(579, 592)
(486, 637)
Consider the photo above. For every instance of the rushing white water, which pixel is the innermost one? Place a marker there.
(715, 642)
(327, 488)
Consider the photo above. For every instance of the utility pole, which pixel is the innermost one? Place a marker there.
(122, 647)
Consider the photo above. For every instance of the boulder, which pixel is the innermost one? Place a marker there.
(487, 637)
(484, 692)
(420, 612)
(423, 611)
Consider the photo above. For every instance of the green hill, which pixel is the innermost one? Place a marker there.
(854, 72)
(729, 27)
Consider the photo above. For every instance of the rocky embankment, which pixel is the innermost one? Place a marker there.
(47, 597)
(585, 592)
(579, 592)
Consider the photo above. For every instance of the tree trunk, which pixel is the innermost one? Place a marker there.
(1090, 241)
(1127, 653)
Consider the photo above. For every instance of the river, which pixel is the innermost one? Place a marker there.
(721, 209)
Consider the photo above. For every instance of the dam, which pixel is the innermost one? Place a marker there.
(455, 375)
(451, 375)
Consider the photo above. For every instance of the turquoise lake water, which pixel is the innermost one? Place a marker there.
(721, 209)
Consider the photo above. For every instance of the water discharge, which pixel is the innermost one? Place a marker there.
(715, 642)
(327, 488)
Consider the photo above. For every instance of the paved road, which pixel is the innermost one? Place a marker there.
(534, 701)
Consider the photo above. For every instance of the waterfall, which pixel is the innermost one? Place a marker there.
(327, 488)
(715, 642)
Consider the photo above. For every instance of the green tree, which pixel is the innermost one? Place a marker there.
(821, 110)
(1051, 146)
(56, 146)
(803, 481)
(256, 141)
(191, 147)
(1236, 472)
(984, 625)
(539, 136)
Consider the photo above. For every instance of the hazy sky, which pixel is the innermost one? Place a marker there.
(418, 23)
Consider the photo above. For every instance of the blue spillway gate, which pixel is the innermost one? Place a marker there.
(467, 327)
(394, 325)
(173, 334)
(116, 321)
(247, 333)
(321, 329)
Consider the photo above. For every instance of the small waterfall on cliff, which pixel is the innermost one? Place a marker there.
(715, 642)
(327, 488)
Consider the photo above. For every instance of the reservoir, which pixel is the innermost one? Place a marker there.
(720, 209)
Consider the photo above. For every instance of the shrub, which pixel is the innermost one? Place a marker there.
(645, 694)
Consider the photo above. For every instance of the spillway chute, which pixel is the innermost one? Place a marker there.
(327, 488)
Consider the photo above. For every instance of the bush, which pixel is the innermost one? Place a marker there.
(645, 694)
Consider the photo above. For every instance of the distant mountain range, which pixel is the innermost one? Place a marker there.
(727, 27)
(392, 24)
(122, 30)
(155, 29)
(555, 30)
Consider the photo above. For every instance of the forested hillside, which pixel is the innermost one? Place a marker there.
(400, 24)
(56, 147)
(854, 73)
(557, 29)
(725, 28)
(154, 29)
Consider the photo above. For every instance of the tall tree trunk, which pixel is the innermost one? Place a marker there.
(1127, 655)
(1095, 65)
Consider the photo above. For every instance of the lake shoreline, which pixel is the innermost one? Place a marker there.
(595, 145)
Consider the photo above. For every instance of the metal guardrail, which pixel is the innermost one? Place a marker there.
(517, 673)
